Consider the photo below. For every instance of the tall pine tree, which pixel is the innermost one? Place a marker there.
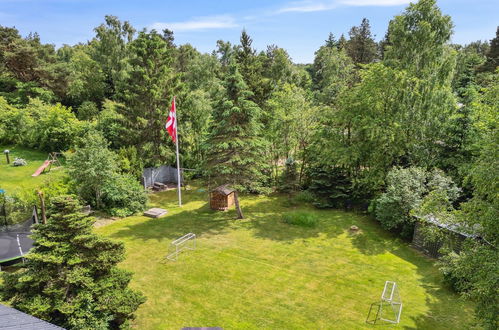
(492, 55)
(147, 91)
(251, 67)
(235, 149)
(361, 47)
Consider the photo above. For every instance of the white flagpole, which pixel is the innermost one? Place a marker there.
(178, 159)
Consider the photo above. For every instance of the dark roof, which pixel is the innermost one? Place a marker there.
(11, 318)
(224, 189)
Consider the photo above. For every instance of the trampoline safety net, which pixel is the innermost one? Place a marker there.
(14, 240)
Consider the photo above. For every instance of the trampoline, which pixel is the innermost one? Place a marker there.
(14, 241)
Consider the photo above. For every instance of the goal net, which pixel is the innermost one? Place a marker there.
(391, 304)
(186, 242)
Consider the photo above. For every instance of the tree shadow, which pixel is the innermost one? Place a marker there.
(375, 243)
(264, 220)
(267, 221)
(440, 300)
(439, 313)
(200, 221)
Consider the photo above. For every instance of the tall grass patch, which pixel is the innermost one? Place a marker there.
(301, 218)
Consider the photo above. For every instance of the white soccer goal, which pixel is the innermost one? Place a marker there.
(186, 242)
(389, 308)
(390, 298)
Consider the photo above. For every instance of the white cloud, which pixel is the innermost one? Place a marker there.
(374, 2)
(314, 6)
(198, 24)
(306, 7)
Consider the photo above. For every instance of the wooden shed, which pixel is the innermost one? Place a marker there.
(221, 198)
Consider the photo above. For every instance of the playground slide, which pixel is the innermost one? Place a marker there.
(41, 168)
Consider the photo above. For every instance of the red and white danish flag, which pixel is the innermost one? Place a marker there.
(171, 122)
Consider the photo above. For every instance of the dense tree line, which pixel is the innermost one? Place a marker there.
(405, 126)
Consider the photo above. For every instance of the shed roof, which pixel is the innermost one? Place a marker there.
(455, 228)
(224, 189)
(11, 318)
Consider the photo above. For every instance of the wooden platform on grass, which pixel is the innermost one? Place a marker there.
(155, 212)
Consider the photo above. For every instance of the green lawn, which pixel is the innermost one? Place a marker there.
(260, 273)
(14, 179)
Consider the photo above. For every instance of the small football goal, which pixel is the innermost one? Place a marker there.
(389, 308)
(186, 242)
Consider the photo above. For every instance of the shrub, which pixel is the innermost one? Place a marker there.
(90, 166)
(88, 110)
(301, 218)
(302, 197)
(39, 125)
(123, 195)
(110, 123)
(130, 162)
(17, 208)
(404, 192)
(331, 185)
(95, 177)
(55, 127)
(14, 124)
(412, 191)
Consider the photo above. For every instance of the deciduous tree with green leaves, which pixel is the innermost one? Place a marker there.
(332, 73)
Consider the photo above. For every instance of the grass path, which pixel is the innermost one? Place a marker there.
(260, 273)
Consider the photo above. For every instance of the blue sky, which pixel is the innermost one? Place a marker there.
(298, 26)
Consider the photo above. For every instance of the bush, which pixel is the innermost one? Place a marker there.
(301, 218)
(14, 124)
(88, 110)
(130, 162)
(404, 192)
(39, 125)
(95, 177)
(123, 196)
(17, 208)
(332, 187)
(412, 191)
(55, 127)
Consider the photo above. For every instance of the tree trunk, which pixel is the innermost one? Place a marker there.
(42, 206)
(238, 207)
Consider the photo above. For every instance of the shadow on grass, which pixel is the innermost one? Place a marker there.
(262, 216)
(200, 221)
(440, 301)
(440, 312)
(271, 226)
(264, 220)
(374, 243)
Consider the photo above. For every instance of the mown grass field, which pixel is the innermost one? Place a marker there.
(261, 273)
(15, 179)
